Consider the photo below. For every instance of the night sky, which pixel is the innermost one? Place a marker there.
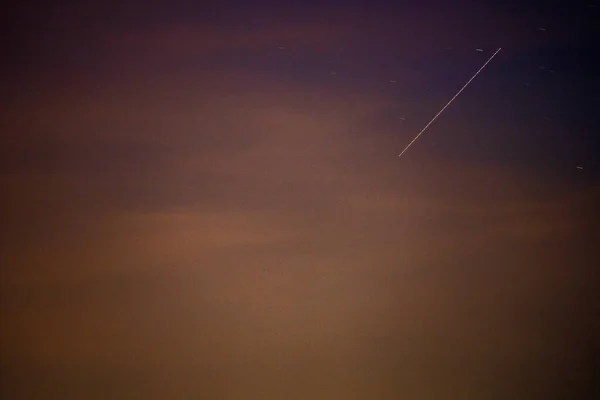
(206, 201)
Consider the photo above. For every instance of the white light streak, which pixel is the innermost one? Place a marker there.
(451, 100)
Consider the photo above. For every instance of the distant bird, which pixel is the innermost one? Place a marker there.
(542, 29)
(580, 167)
(480, 50)
(392, 81)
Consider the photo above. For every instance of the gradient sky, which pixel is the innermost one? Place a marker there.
(207, 201)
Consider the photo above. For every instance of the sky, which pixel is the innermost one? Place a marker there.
(206, 200)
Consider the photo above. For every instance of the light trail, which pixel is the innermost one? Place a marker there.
(451, 100)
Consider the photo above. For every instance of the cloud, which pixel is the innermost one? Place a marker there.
(175, 234)
(184, 39)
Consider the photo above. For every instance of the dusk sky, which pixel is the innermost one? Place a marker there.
(205, 201)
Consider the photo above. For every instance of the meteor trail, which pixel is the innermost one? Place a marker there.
(451, 100)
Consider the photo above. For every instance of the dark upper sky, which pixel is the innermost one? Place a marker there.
(207, 201)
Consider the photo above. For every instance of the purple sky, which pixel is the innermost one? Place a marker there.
(207, 202)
